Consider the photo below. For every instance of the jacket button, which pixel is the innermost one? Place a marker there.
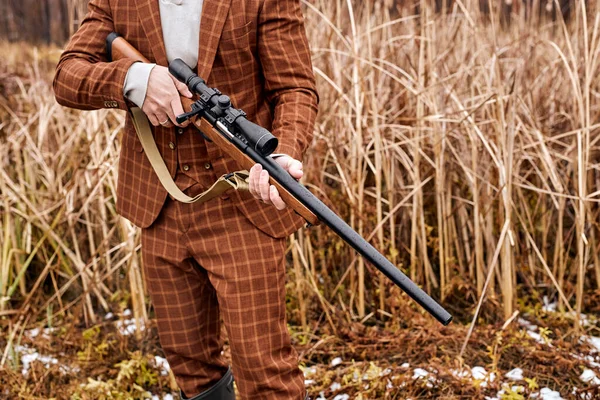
(180, 131)
(186, 167)
(172, 145)
(207, 166)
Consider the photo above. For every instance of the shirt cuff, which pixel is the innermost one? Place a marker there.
(136, 82)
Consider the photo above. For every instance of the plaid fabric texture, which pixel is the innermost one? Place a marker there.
(256, 51)
(205, 262)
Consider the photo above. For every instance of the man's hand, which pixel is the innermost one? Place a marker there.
(259, 181)
(162, 103)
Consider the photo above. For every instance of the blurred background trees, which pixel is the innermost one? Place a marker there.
(40, 21)
(54, 21)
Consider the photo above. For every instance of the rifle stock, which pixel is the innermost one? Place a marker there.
(294, 194)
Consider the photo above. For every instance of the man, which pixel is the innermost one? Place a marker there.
(224, 258)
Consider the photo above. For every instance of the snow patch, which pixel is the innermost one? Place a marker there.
(460, 373)
(308, 371)
(538, 338)
(163, 365)
(27, 359)
(127, 327)
(336, 361)
(549, 307)
(585, 319)
(549, 394)
(515, 374)
(341, 397)
(589, 359)
(589, 376)
(592, 341)
(420, 373)
(33, 333)
(28, 355)
(480, 374)
(527, 325)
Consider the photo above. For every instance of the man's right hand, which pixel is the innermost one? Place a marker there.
(162, 103)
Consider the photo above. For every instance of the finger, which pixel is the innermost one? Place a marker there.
(264, 186)
(153, 119)
(284, 161)
(181, 87)
(295, 169)
(253, 181)
(276, 199)
(163, 120)
(173, 110)
(177, 109)
(166, 124)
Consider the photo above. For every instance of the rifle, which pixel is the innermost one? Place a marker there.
(248, 144)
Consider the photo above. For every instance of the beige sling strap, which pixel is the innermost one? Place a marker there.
(236, 180)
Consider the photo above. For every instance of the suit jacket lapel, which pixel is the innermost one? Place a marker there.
(149, 14)
(214, 14)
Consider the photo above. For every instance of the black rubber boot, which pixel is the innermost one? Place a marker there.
(222, 390)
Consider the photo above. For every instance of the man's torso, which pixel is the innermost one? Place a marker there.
(228, 60)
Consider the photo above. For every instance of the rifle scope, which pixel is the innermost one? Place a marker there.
(258, 137)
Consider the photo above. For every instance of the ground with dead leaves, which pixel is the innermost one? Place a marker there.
(537, 354)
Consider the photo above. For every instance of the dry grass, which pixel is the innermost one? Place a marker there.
(465, 151)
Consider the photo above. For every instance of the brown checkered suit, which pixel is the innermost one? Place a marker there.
(199, 260)
(254, 50)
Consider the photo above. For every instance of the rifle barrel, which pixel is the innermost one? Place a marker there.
(349, 235)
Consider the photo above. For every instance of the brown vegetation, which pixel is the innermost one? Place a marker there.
(468, 154)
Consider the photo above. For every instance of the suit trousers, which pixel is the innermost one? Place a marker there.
(207, 262)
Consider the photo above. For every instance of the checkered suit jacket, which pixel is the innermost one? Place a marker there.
(256, 51)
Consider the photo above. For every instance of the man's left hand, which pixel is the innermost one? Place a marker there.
(259, 181)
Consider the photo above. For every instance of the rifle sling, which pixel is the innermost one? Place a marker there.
(236, 180)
